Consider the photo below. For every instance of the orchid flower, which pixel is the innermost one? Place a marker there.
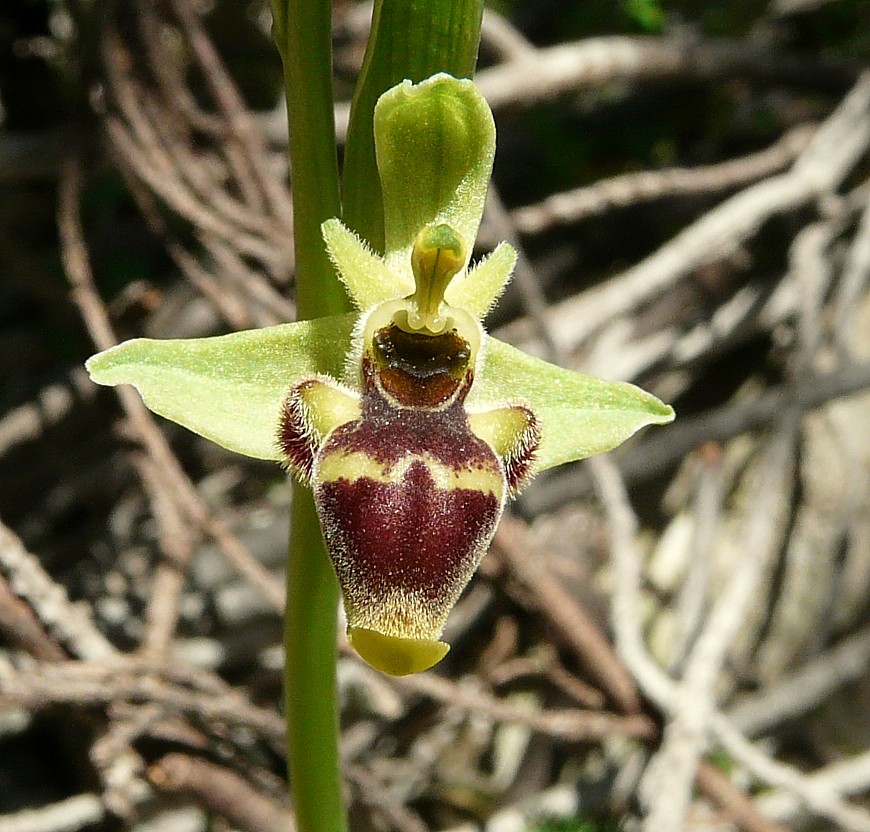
(412, 426)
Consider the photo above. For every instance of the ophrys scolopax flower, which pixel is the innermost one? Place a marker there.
(411, 425)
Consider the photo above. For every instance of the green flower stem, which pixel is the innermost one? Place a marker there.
(311, 702)
(411, 39)
(302, 30)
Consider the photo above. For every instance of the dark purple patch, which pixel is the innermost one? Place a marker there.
(411, 536)
(518, 465)
(387, 434)
(294, 438)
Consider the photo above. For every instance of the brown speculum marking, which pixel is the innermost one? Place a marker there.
(420, 370)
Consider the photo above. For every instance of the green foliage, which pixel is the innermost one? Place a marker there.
(578, 824)
(648, 14)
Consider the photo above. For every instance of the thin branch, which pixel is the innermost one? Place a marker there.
(845, 777)
(52, 404)
(176, 544)
(220, 791)
(503, 39)
(800, 692)
(856, 273)
(634, 188)
(21, 627)
(817, 796)
(69, 623)
(243, 128)
(707, 514)
(574, 626)
(667, 785)
(110, 682)
(524, 277)
(733, 800)
(572, 67)
(400, 818)
(68, 815)
(568, 725)
(831, 154)
(664, 692)
(175, 480)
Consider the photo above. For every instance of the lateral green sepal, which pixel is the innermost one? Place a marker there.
(578, 415)
(229, 388)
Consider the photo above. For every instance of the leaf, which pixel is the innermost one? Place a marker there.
(435, 143)
(579, 415)
(229, 388)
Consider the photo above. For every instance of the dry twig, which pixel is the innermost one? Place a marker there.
(71, 624)
(221, 791)
(68, 815)
(174, 480)
(662, 690)
(831, 154)
(573, 625)
(572, 67)
(633, 188)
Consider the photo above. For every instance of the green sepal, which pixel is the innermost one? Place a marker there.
(410, 40)
(228, 388)
(578, 415)
(435, 142)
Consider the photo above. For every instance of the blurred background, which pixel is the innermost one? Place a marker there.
(674, 638)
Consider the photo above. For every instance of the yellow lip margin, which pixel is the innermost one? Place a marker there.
(395, 655)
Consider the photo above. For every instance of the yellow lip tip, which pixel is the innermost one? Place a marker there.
(395, 655)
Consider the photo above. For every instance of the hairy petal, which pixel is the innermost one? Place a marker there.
(364, 274)
(481, 287)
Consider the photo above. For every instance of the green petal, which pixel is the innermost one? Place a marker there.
(364, 273)
(229, 388)
(579, 415)
(435, 143)
(478, 291)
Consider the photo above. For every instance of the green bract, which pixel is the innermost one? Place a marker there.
(332, 398)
